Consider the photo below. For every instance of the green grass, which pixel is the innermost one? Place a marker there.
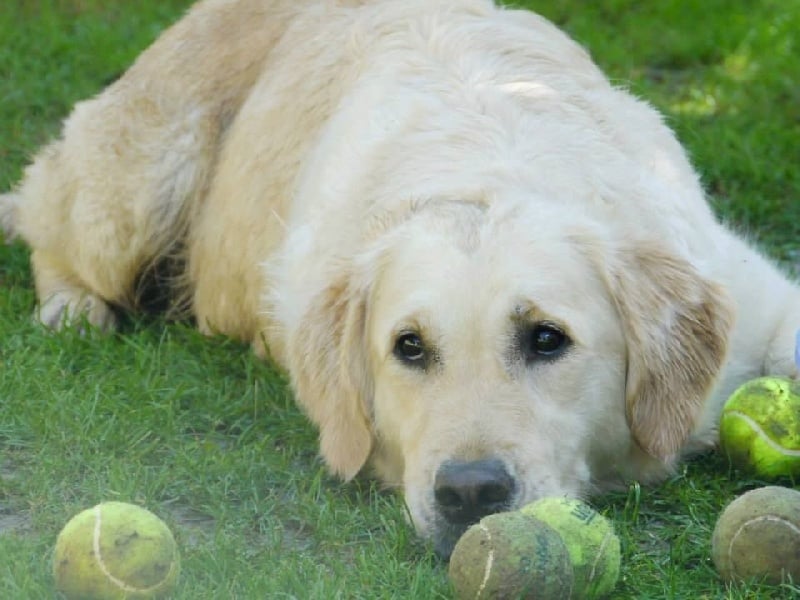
(208, 437)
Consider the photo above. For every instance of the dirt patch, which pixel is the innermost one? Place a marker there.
(195, 526)
(11, 519)
(11, 522)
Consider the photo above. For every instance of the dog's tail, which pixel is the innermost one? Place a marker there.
(8, 216)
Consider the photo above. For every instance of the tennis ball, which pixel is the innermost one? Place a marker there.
(760, 427)
(590, 539)
(114, 551)
(511, 555)
(758, 536)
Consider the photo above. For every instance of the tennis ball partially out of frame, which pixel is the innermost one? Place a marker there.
(758, 536)
(760, 427)
(511, 555)
(593, 546)
(115, 551)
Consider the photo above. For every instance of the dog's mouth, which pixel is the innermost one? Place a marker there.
(445, 537)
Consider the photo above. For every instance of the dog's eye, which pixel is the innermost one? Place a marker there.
(409, 349)
(544, 340)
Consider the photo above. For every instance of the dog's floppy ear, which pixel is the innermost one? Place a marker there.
(676, 325)
(327, 362)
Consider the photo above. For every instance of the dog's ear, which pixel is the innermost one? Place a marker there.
(327, 362)
(676, 325)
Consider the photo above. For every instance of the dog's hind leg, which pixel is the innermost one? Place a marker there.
(116, 194)
(109, 199)
(54, 309)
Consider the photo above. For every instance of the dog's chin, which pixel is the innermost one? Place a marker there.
(445, 540)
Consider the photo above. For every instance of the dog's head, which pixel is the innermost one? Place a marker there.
(480, 362)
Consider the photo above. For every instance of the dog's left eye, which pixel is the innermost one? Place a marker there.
(409, 349)
(544, 341)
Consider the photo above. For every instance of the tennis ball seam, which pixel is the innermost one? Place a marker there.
(763, 434)
(768, 518)
(487, 572)
(98, 527)
(600, 554)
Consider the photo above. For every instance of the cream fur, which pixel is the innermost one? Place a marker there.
(336, 173)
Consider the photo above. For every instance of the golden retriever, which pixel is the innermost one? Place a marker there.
(491, 275)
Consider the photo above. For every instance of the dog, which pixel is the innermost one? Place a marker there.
(491, 275)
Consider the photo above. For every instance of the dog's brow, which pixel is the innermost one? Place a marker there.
(527, 312)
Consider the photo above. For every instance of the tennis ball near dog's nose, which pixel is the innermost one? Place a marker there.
(590, 539)
(115, 551)
(758, 536)
(760, 427)
(511, 555)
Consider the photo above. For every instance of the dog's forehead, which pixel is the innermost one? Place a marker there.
(506, 268)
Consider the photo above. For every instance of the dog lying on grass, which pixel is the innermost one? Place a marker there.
(491, 275)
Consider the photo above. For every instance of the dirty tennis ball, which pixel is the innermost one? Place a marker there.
(590, 540)
(113, 551)
(758, 536)
(511, 555)
(760, 427)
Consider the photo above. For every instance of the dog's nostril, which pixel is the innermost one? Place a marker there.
(449, 497)
(466, 491)
(493, 494)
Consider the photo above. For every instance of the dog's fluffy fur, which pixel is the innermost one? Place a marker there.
(334, 176)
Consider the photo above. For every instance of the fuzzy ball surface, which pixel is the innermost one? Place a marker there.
(511, 555)
(758, 536)
(593, 545)
(113, 551)
(760, 427)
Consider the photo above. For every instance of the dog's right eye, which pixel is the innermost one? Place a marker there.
(410, 350)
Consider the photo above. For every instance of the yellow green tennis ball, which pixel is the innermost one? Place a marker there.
(511, 555)
(760, 427)
(758, 536)
(115, 551)
(590, 539)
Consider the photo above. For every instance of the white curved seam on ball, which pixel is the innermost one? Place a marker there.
(596, 561)
(98, 520)
(769, 440)
(769, 518)
(489, 561)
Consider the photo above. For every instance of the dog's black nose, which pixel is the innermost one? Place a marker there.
(467, 491)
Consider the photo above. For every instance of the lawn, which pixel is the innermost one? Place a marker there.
(206, 436)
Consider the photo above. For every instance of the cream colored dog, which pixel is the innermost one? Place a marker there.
(491, 275)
